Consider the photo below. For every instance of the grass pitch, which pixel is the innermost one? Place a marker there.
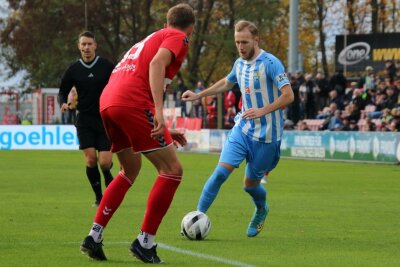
(321, 214)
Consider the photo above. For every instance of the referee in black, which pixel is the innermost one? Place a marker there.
(90, 75)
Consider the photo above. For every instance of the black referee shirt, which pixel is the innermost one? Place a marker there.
(89, 80)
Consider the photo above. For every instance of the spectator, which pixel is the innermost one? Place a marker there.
(293, 110)
(368, 80)
(210, 106)
(338, 82)
(197, 107)
(382, 87)
(308, 94)
(334, 121)
(8, 117)
(358, 99)
(346, 125)
(352, 113)
(348, 96)
(288, 125)
(335, 98)
(230, 111)
(353, 126)
(325, 113)
(391, 100)
(302, 126)
(390, 69)
(180, 87)
(28, 117)
(178, 91)
(386, 116)
(369, 126)
(323, 86)
(370, 97)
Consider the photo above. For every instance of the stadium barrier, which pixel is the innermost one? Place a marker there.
(346, 146)
(381, 147)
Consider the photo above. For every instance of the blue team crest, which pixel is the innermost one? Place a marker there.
(281, 77)
(256, 76)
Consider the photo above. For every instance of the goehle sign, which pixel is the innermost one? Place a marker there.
(363, 50)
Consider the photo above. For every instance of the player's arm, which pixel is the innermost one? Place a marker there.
(282, 101)
(221, 86)
(65, 88)
(158, 65)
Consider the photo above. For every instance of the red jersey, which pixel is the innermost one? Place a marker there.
(129, 84)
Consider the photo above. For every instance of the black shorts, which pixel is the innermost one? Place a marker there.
(91, 132)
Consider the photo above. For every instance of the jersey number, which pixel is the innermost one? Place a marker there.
(138, 47)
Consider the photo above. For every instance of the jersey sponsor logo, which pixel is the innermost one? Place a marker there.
(247, 90)
(281, 77)
(90, 75)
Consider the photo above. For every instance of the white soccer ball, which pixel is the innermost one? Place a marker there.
(195, 225)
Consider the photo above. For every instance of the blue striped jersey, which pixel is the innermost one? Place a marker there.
(260, 81)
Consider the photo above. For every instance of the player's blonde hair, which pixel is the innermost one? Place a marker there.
(245, 24)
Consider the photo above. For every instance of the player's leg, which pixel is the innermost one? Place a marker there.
(213, 185)
(105, 162)
(130, 163)
(87, 144)
(92, 172)
(103, 145)
(263, 159)
(233, 153)
(115, 192)
(161, 195)
(113, 196)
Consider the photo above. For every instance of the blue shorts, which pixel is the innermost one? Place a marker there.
(260, 157)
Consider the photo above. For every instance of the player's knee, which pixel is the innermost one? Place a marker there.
(177, 169)
(105, 166)
(128, 177)
(221, 173)
(251, 182)
(91, 162)
(174, 168)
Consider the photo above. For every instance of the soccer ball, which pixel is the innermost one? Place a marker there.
(195, 225)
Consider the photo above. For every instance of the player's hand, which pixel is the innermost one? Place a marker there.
(159, 125)
(189, 96)
(253, 113)
(64, 107)
(178, 137)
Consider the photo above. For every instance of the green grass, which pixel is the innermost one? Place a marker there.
(322, 214)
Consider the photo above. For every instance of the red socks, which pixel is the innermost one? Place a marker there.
(159, 200)
(112, 198)
(158, 203)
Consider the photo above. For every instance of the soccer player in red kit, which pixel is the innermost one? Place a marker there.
(131, 107)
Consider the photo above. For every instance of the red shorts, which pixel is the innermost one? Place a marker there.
(131, 127)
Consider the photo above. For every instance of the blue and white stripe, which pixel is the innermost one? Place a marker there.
(259, 81)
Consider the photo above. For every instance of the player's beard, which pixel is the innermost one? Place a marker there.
(250, 54)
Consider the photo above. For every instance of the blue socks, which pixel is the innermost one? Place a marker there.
(212, 187)
(259, 195)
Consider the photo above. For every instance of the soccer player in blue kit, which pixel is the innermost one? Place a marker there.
(258, 128)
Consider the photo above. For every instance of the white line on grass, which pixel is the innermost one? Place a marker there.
(203, 256)
(160, 245)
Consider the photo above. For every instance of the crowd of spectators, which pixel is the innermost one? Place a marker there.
(371, 103)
